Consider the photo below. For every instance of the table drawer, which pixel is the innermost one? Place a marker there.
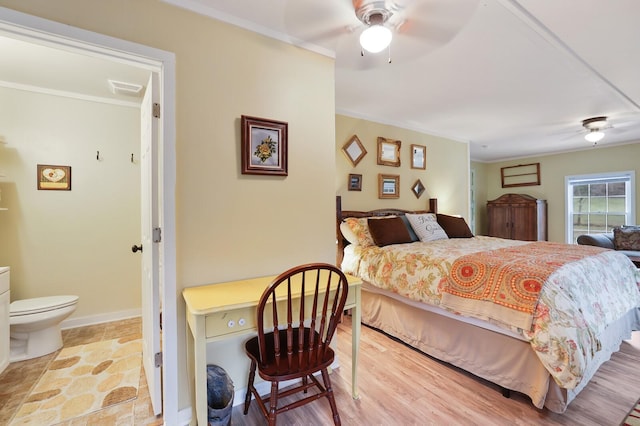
(235, 321)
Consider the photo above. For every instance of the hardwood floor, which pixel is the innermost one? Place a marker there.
(399, 386)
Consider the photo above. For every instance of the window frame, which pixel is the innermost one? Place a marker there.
(569, 181)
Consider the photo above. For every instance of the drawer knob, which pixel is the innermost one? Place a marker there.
(231, 324)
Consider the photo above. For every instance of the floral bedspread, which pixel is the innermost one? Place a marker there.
(576, 303)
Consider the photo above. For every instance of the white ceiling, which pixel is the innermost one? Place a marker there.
(44, 69)
(514, 78)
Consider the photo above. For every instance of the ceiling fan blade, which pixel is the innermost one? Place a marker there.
(320, 22)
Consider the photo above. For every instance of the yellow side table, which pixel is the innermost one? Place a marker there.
(222, 311)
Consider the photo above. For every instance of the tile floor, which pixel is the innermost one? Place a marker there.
(18, 379)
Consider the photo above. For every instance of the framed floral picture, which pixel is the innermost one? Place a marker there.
(264, 146)
(54, 177)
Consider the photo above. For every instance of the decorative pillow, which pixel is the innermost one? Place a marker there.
(626, 238)
(388, 231)
(426, 227)
(455, 227)
(348, 234)
(412, 233)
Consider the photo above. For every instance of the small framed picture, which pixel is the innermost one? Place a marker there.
(354, 150)
(418, 157)
(355, 182)
(389, 152)
(388, 186)
(54, 177)
(418, 188)
(264, 146)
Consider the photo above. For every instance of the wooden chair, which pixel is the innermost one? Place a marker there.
(299, 331)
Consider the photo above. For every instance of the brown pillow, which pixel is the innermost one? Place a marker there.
(455, 227)
(626, 238)
(388, 231)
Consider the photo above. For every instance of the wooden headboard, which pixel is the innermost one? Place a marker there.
(341, 242)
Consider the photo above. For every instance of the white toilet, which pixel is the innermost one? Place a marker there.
(35, 325)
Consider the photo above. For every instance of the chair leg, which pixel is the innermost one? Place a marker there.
(252, 376)
(273, 404)
(330, 397)
(305, 380)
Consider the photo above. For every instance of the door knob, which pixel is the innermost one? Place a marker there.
(135, 248)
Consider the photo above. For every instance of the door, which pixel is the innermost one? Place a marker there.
(524, 219)
(499, 220)
(150, 248)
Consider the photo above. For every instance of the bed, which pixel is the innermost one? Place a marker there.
(585, 303)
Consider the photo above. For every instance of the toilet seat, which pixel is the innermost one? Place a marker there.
(40, 304)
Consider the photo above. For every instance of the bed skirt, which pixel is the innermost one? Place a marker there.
(500, 359)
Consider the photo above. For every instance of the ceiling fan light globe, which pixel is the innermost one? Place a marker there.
(594, 136)
(375, 38)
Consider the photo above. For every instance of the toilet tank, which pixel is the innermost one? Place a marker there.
(4, 318)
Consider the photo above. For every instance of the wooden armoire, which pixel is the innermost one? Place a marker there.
(518, 217)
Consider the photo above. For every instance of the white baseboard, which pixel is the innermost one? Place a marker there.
(100, 318)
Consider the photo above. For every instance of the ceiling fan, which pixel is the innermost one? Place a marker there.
(595, 127)
(409, 28)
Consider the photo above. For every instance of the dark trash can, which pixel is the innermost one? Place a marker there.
(219, 396)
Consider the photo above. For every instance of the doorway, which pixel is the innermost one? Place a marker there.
(161, 65)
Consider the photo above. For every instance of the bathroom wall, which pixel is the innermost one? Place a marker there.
(79, 241)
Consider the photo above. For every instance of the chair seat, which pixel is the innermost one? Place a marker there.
(289, 367)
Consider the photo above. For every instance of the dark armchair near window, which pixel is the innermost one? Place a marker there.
(598, 240)
(624, 239)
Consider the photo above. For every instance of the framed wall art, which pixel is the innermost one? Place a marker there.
(51, 177)
(389, 152)
(355, 182)
(388, 186)
(354, 150)
(264, 146)
(418, 188)
(520, 175)
(418, 157)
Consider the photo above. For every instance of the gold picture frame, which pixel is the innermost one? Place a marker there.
(388, 186)
(56, 178)
(418, 188)
(354, 150)
(418, 157)
(389, 152)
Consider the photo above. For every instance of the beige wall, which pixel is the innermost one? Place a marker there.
(446, 176)
(71, 242)
(554, 169)
(228, 225)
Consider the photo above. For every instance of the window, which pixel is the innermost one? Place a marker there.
(599, 202)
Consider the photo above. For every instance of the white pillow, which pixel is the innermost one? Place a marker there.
(348, 234)
(426, 227)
